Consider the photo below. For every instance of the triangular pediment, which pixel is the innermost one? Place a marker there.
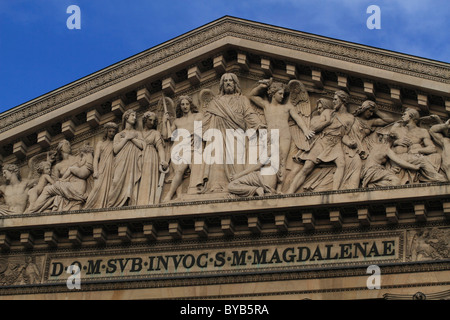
(345, 197)
(195, 61)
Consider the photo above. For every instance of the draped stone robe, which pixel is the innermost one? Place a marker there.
(127, 174)
(230, 111)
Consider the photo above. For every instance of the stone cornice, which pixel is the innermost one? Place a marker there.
(219, 29)
(302, 202)
(395, 270)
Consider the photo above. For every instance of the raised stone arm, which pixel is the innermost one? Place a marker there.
(384, 118)
(438, 131)
(257, 92)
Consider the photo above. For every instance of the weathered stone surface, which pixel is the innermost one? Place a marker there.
(269, 156)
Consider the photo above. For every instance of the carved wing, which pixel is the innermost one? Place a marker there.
(35, 160)
(299, 97)
(205, 97)
(428, 121)
(165, 105)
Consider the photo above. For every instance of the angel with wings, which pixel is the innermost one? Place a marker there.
(40, 171)
(186, 115)
(270, 96)
(328, 147)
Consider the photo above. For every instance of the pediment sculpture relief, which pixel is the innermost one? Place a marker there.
(272, 139)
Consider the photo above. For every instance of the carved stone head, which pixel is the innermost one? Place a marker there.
(366, 110)
(277, 90)
(9, 170)
(44, 167)
(340, 98)
(64, 147)
(150, 119)
(111, 130)
(129, 116)
(183, 100)
(229, 84)
(323, 104)
(411, 114)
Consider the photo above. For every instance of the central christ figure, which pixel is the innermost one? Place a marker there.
(229, 110)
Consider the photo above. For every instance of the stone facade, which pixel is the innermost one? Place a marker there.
(239, 160)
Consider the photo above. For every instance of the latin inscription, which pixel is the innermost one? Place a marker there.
(239, 259)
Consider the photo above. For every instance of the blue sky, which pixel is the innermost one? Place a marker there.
(38, 53)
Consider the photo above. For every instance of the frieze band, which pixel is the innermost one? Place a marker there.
(318, 146)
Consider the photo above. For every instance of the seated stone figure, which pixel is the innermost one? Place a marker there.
(69, 191)
(44, 169)
(414, 145)
(375, 173)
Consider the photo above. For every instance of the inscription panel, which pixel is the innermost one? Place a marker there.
(221, 259)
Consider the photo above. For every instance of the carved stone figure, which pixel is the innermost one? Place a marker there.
(35, 163)
(439, 133)
(59, 161)
(154, 160)
(229, 110)
(320, 119)
(334, 150)
(14, 192)
(65, 159)
(250, 182)
(253, 181)
(69, 192)
(361, 132)
(20, 271)
(328, 146)
(127, 147)
(375, 173)
(187, 113)
(414, 145)
(30, 271)
(428, 244)
(277, 114)
(44, 168)
(365, 125)
(103, 165)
